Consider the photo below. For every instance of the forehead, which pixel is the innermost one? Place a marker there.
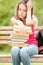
(22, 6)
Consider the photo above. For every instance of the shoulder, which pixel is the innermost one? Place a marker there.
(13, 19)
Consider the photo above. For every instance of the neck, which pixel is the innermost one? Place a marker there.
(23, 20)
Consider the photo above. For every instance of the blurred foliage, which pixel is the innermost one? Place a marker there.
(7, 11)
(39, 10)
(5, 48)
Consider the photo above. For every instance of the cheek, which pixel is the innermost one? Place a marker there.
(25, 14)
(18, 13)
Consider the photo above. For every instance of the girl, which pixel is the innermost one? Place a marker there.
(21, 19)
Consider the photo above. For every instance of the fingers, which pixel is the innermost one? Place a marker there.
(29, 4)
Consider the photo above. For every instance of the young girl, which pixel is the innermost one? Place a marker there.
(21, 18)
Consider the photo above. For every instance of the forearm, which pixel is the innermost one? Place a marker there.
(28, 18)
(29, 21)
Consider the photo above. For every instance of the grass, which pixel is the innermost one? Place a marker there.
(5, 63)
(11, 63)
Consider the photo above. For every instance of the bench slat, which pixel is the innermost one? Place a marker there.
(4, 41)
(6, 28)
(5, 32)
(7, 58)
(21, 44)
(4, 37)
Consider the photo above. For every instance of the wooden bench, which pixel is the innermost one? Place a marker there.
(5, 32)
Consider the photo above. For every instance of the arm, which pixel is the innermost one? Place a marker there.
(29, 21)
(33, 21)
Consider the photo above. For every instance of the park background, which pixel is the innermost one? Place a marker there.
(7, 11)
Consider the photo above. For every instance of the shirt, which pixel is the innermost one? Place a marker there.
(32, 38)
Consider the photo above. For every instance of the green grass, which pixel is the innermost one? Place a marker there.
(11, 63)
(5, 63)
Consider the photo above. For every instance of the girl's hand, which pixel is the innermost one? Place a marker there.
(29, 5)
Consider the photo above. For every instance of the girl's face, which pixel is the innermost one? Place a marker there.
(22, 11)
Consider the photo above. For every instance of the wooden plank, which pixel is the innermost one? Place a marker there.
(20, 35)
(4, 37)
(6, 27)
(34, 59)
(5, 32)
(19, 39)
(37, 58)
(4, 41)
(39, 27)
(5, 58)
(19, 44)
(10, 28)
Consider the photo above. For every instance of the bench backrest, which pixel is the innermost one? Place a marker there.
(6, 31)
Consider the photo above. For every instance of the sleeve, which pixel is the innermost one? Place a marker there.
(16, 21)
(13, 20)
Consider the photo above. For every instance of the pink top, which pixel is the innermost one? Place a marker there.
(32, 38)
